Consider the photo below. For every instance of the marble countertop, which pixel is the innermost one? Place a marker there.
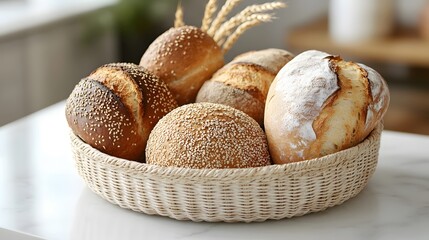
(41, 194)
(21, 15)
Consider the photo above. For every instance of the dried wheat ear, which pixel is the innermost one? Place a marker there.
(227, 31)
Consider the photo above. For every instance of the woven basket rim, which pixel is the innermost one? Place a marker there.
(138, 169)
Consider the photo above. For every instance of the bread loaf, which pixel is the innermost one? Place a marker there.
(183, 58)
(319, 104)
(244, 82)
(115, 108)
(186, 56)
(207, 135)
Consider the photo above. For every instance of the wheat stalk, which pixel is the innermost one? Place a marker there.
(261, 8)
(241, 16)
(221, 36)
(211, 8)
(226, 28)
(255, 9)
(232, 39)
(242, 19)
(226, 33)
(178, 21)
(220, 17)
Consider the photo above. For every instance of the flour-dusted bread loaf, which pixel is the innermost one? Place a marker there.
(183, 58)
(115, 108)
(244, 82)
(207, 135)
(319, 104)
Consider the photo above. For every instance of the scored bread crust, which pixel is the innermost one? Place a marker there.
(320, 104)
(244, 82)
(183, 58)
(207, 135)
(248, 77)
(115, 108)
(272, 59)
(218, 92)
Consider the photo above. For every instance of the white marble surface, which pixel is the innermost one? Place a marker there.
(20, 15)
(41, 194)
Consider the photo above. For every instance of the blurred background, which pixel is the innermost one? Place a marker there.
(47, 46)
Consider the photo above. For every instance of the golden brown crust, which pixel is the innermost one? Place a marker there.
(248, 77)
(251, 75)
(272, 59)
(115, 108)
(207, 135)
(320, 104)
(98, 117)
(183, 58)
(217, 92)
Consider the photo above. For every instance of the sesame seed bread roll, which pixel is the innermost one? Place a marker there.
(115, 108)
(207, 135)
(244, 82)
(319, 104)
(183, 58)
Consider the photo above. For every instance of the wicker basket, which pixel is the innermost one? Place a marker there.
(230, 195)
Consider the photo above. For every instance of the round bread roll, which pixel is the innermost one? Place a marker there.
(207, 135)
(115, 108)
(319, 104)
(244, 82)
(183, 58)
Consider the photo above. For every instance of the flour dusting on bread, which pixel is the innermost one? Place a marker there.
(307, 72)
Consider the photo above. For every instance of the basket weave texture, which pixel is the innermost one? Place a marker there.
(230, 195)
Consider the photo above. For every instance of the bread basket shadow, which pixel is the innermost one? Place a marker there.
(230, 195)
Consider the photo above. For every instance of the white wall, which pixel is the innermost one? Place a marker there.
(12, 98)
(41, 66)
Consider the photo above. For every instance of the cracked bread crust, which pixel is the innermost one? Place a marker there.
(244, 82)
(319, 104)
(115, 108)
